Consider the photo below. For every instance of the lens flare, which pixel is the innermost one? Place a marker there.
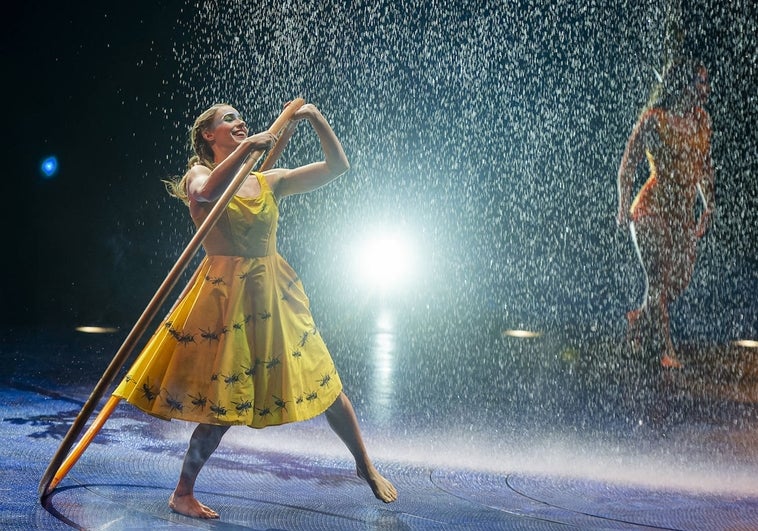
(385, 261)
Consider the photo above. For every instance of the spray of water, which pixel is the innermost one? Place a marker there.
(492, 133)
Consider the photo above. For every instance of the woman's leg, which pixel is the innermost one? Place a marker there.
(683, 257)
(654, 245)
(343, 421)
(682, 254)
(203, 443)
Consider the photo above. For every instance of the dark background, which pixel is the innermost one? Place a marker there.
(491, 131)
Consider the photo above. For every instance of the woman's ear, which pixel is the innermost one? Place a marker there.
(207, 135)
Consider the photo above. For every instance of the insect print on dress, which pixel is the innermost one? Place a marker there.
(310, 397)
(210, 336)
(232, 379)
(183, 339)
(241, 324)
(280, 403)
(172, 403)
(250, 371)
(325, 379)
(198, 402)
(297, 354)
(263, 412)
(243, 276)
(264, 315)
(273, 362)
(243, 407)
(149, 393)
(173, 332)
(299, 399)
(304, 338)
(214, 281)
(217, 410)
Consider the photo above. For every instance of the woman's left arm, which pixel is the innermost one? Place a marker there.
(306, 178)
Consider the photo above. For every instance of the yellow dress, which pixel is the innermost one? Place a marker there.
(241, 346)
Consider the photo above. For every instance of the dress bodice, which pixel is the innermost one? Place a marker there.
(247, 227)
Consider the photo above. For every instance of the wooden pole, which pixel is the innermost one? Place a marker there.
(54, 469)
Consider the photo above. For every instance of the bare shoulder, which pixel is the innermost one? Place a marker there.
(198, 170)
(651, 118)
(195, 178)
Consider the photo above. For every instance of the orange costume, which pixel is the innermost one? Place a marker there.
(678, 152)
(678, 159)
(241, 346)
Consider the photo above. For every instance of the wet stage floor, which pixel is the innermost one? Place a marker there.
(571, 448)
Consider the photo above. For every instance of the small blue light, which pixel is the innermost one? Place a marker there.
(49, 166)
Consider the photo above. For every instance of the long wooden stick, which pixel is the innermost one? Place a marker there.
(82, 445)
(54, 469)
(113, 401)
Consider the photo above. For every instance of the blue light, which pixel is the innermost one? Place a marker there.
(49, 166)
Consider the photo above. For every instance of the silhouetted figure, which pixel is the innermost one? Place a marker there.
(674, 134)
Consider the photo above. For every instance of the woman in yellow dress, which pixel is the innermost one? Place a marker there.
(674, 134)
(240, 347)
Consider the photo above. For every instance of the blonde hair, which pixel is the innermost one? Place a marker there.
(202, 153)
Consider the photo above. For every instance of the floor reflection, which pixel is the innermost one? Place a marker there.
(383, 354)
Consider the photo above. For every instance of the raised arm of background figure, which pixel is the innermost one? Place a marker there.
(633, 155)
(204, 185)
(306, 178)
(706, 189)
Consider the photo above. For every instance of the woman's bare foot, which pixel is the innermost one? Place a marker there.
(383, 489)
(189, 506)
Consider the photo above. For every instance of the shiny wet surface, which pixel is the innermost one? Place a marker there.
(552, 433)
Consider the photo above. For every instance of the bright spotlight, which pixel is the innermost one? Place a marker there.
(49, 166)
(385, 260)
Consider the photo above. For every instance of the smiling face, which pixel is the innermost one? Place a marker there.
(226, 131)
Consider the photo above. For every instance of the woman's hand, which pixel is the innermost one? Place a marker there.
(306, 112)
(262, 140)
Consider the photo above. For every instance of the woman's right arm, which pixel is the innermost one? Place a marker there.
(205, 185)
